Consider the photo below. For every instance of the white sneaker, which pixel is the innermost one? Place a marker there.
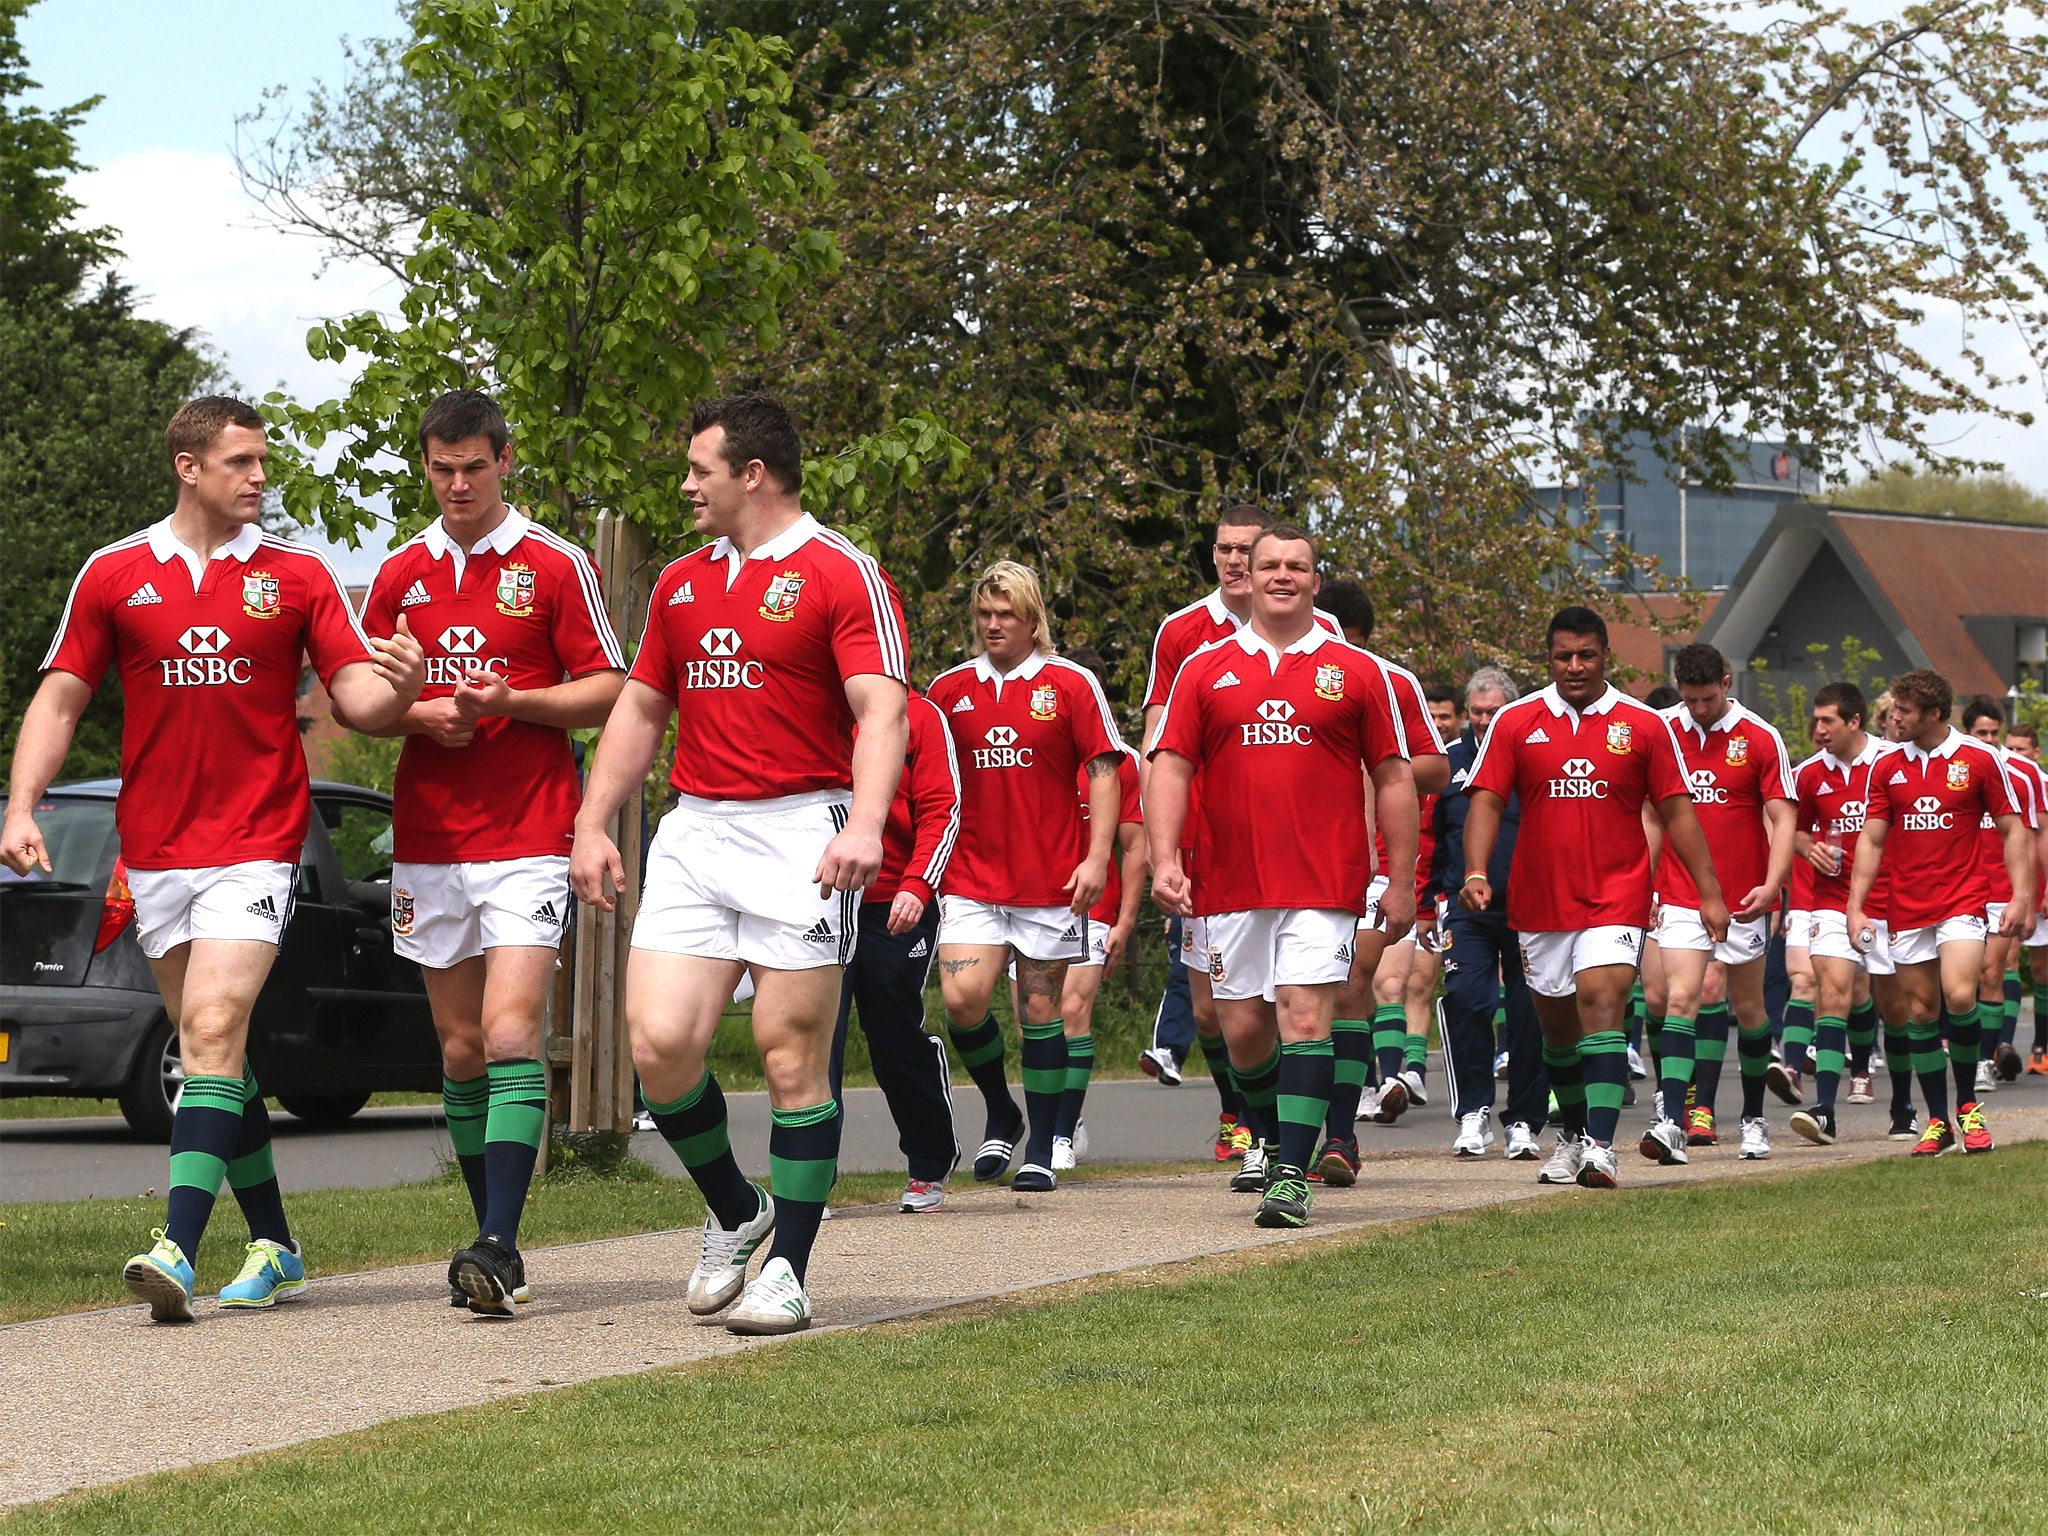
(1565, 1160)
(774, 1302)
(1663, 1142)
(1062, 1154)
(1158, 1063)
(923, 1195)
(723, 1258)
(1522, 1145)
(1597, 1167)
(1475, 1133)
(1756, 1140)
(1250, 1178)
(1368, 1105)
(1080, 1139)
(1636, 1069)
(1412, 1081)
(643, 1120)
(1987, 1077)
(1860, 1089)
(1500, 1067)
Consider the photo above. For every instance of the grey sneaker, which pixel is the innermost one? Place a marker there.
(1565, 1161)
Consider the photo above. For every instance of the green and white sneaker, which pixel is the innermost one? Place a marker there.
(270, 1273)
(163, 1278)
(774, 1302)
(1287, 1200)
(723, 1258)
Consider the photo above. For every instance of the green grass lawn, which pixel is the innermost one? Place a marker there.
(1852, 1349)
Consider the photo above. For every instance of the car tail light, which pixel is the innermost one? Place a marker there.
(119, 911)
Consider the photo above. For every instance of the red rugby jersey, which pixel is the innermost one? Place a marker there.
(756, 653)
(1129, 813)
(924, 818)
(1831, 797)
(1281, 740)
(525, 604)
(212, 771)
(1581, 859)
(1022, 738)
(1733, 769)
(2020, 782)
(1934, 802)
(1419, 738)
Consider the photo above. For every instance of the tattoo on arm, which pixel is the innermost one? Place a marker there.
(1102, 767)
(955, 967)
(1041, 978)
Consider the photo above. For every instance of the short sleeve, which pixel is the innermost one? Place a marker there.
(1879, 799)
(1999, 798)
(1166, 660)
(1418, 737)
(579, 627)
(1666, 763)
(868, 634)
(653, 664)
(1495, 770)
(1377, 734)
(1093, 726)
(1180, 728)
(333, 637)
(1129, 810)
(1774, 774)
(84, 643)
(380, 606)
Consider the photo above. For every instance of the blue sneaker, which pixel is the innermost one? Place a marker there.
(163, 1278)
(270, 1273)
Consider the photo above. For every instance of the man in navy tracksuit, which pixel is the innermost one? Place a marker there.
(1483, 956)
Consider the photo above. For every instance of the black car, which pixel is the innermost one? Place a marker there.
(340, 1018)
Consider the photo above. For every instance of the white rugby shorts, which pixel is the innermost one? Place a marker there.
(444, 914)
(1832, 941)
(733, 880)
(1920, 946)
(1253, 954)
(1554, 960)
(1036, 933)
(1798, 928)
(1194, 944)
(222, 901)
(1681, 928)
(2038, 939)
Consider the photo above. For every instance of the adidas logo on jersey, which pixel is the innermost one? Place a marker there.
(1227, 680)
(962, 705)
(820, 933)
(682, 594)
(264, 907)
(920, 949)
(1539, 734)
(144, 595)
(414, 595)
(546, 913)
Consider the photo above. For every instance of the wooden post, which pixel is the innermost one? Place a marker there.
(598, 1059)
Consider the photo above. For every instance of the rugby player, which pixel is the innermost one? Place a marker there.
(1585, 758)
(519, 650)
(1283, 723)
(1028, 866)
(2024, 743)
(779, 652)
(1999, 1059)
(208, 618)
(1740, 778)
(1921, 828)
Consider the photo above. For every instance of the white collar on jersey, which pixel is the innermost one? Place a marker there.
(498, 541)
(1873, 748)
(1557, 706)
(1222, 615)
(1023, 672)
(1681, 717)
(1954, 739)
(787, 542)
(1249, 642)
(165, 546)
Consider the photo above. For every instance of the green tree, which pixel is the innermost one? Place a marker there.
(1990, 498)
(1789, 705)
(40, 249)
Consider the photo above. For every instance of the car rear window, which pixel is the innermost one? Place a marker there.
(76, 832)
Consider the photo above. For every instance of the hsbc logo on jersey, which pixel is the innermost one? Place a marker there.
(1848, 817)
(204, 666)
(1578, 783)
(1927, 816)
(1002, 750)
(1705, 791)
(462, 642)
(724, 669)
(1274, 727)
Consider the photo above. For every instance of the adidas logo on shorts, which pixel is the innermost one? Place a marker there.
(919, 950)
(1227, 680)
(1539, 734)
(820, 933)
(546, 913)
(1344, 954)
(1071, 936)
(264, 907)
(414, 595)
(962, 705)
(144, 595)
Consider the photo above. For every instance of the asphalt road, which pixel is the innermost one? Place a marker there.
(1128, 1121)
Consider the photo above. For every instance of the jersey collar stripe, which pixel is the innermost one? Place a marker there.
(1166, 709)
(935, 867)
(887, 633)
(64, 618)
(586, 579)
(340, 592)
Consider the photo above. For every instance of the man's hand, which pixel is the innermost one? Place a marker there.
(1476, 894)
(482, 692)
(905, 912)
(1397, 910)
(400, 661)
(1088, 881)
(1171, 890)
(1759, 901)
(1714, 917)
(443, 722)
(851, 860)
(1114, 946)
(2017, 922)
(21, 843)
(1825, 857)
(596, 873)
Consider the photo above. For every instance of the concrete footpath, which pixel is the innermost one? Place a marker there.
(96, 1397)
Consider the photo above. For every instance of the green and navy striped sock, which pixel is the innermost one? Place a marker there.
(1603, 1067)
(694, 1126)
(803, 1162)
(1351, 1040)
(1259, 1086)
(1753, 1056)
(467, 1105)
(252, 1172)
(203, 1136)
(514, 1128)
(1798, 1038)
(1568, 1085)
(1390, 1038)
(1302, 1097)
(1710, 1049)
(1675, 1066)
(1080, 1067)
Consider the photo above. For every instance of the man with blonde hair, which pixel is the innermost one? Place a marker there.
(1027, 867)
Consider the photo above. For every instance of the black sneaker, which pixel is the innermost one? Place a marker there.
(2007, 1060)
(1817, 1125)
(1287, 1199)
(487, 1272)
(1905, 1126)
